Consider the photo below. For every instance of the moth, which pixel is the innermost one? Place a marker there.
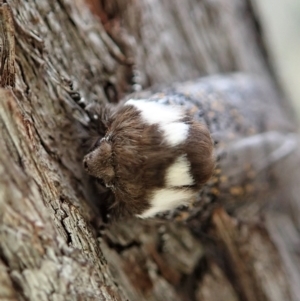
(151, 157)
(216, 140)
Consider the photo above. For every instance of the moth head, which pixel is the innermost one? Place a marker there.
(98, 163)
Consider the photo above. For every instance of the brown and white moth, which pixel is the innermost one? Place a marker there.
(153, 154)
(152, 158)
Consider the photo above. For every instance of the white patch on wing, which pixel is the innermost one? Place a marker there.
(167, 199)
(178, 174)
(175, 133)
(154, 112)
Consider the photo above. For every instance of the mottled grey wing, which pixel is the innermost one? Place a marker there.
(249, 169)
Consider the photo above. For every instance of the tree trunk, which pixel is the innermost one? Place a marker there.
(50, 249)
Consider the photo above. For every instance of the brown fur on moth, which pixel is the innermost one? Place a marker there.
(153, 158)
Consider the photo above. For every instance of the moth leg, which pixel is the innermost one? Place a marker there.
(99, 115)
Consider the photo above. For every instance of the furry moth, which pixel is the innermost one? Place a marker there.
(153, 157)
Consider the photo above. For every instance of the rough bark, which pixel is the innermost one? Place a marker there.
(49, 248)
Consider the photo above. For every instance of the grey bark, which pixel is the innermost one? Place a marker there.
(49, 248)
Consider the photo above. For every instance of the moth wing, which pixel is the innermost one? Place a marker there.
(251, 168)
